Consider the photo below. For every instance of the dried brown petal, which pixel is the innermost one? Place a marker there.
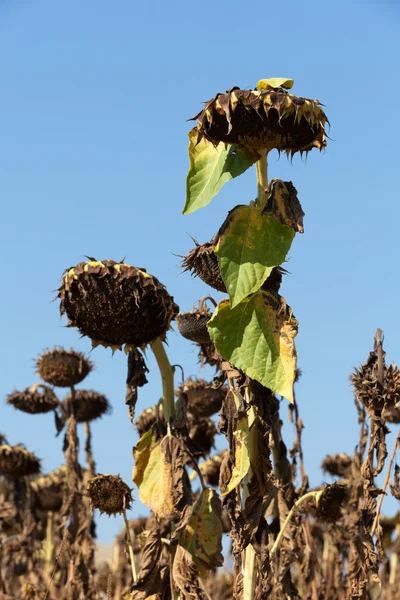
(109, 493)
(16, 461)
(115, 304)
(203, 399)
(36, 399)
(261, 120)
(63, 368)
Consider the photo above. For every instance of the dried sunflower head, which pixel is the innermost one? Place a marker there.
(193, 325)
(16, 461)
(328, 502)
(36, 399)
(260, 120)
(203, 399)
(110, 494)
(338, 465)
(203, 263)
(63, 368)
(210, 469)
(208, 355)
(115, 304)
(86, 405)
(201, 431)
(49, 488)
(370, 392)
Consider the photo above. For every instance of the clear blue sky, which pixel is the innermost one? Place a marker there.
(93, 159)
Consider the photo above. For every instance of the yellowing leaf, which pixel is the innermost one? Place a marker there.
(257, 336)
(242, 459)
(250, 246)
(275, 82)
(203, 534)
(210, 168)
(159, 475)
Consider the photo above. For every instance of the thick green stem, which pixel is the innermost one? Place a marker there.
(167, 376)
(295, 506)
(250, 562)
(130, 546)
(262, 180)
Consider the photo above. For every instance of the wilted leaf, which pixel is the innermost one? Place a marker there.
(257, 336)
(203, 534)
(160, 475)
(275, 82)
(242, 460)
(148, 580)
(249, 246)
(210, 168)
(185, 576)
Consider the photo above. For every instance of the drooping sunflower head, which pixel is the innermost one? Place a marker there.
(202, 262)
(193, 325)
(34, 400)
(63, 368)
(203, 400)
(115, 304)
(263, 119)
(87, 405)
(16, 461)
(48, 489)
(109, 493)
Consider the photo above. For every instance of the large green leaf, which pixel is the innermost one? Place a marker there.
(257, 336)
(210, 168)
(249, 247)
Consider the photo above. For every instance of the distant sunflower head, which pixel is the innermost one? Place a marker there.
(63, 368)
(203, 399)
(260, 120)
(338, 465)
(36, 399)
(193, 325)
(110, 494)
(49, 488)
(115, 304)
(86, 405)
(210, 469)
(16, 461)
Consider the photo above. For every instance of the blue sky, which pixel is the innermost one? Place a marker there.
(93, 158)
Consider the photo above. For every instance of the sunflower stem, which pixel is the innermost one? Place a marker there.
(250, 563)
(295, 506)
(262, 180)
(130, 546)
(167, 376)
(49, 541)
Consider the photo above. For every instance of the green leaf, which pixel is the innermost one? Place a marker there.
(275, 82)
(210, 168)
(203, 534)
(250, 246)
(257, 336)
